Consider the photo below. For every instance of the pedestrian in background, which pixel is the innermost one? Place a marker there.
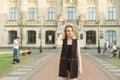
(16, 50)
(105, 47)
(70, 59)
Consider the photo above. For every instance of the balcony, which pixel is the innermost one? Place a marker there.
(90, 23)
(31, 23)
(50, 23)
(11, 23)
(111, 22)
(38, 23)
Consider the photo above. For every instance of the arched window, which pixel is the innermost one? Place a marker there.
(90, 37)
(11, 36)
(111, 36)
(31, 37)
(50, 37)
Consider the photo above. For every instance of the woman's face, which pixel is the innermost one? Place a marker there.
(69, 32)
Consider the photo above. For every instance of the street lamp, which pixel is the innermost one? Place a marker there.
(40, 33)
(99, 49)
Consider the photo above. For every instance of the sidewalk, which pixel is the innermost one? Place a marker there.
(110, 68)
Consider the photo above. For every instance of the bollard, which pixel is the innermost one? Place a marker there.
(119, 54)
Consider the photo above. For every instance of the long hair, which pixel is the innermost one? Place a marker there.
(65, 35)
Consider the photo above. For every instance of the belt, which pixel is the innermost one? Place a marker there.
(68, 59)
(71, 59)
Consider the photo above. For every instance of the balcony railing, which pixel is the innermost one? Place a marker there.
(90, 22)
(15, 23)
(102, 22)
(11, 23)
(111, 22)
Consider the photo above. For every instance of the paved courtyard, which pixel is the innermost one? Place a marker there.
(46, 68)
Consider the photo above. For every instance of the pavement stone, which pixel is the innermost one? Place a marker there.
(114, 70)
(117, 74)
(23, 70)
(111, 67)
(18, 73)
(106, 64)
(10, 78)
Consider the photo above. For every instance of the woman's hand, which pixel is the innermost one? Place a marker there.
(59, 40)
(80, 71)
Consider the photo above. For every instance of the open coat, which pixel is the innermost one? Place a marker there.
(74, 60)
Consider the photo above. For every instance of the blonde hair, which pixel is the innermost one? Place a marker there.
(64, 33)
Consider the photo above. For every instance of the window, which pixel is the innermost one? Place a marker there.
(111, 13)
(90, 37)
(50, 37)
(51, 14)
(70, 13)
(32, 13)
(111, 36)
(91, 13)
(11, 36)
(13, 13)
(31, 37)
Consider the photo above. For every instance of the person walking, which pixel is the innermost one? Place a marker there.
(70, 60)
(16, 50)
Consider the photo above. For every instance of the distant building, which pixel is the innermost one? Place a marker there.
(34, 20)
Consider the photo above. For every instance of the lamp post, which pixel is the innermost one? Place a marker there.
(41, 37)
(40, 33)
(99, 49)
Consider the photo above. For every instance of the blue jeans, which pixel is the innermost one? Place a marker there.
(15, 54)
(105, 50)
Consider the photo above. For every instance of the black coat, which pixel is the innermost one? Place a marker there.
(63, 60)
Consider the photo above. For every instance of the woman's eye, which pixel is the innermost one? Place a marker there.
(68, 31)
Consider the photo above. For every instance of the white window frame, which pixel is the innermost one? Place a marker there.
(111, 13)
(13, 14)
(51, 13)
(32, 13)
(70, 13)
(91, 13)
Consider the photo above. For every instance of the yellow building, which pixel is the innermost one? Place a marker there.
(38, 22)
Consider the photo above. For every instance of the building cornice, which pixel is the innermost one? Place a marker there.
(101, 25)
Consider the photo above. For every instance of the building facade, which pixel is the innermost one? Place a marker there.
(38, 22)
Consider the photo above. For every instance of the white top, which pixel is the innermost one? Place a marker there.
(114, 48)
(15, 44)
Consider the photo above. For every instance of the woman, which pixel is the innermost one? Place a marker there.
(70, 59)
